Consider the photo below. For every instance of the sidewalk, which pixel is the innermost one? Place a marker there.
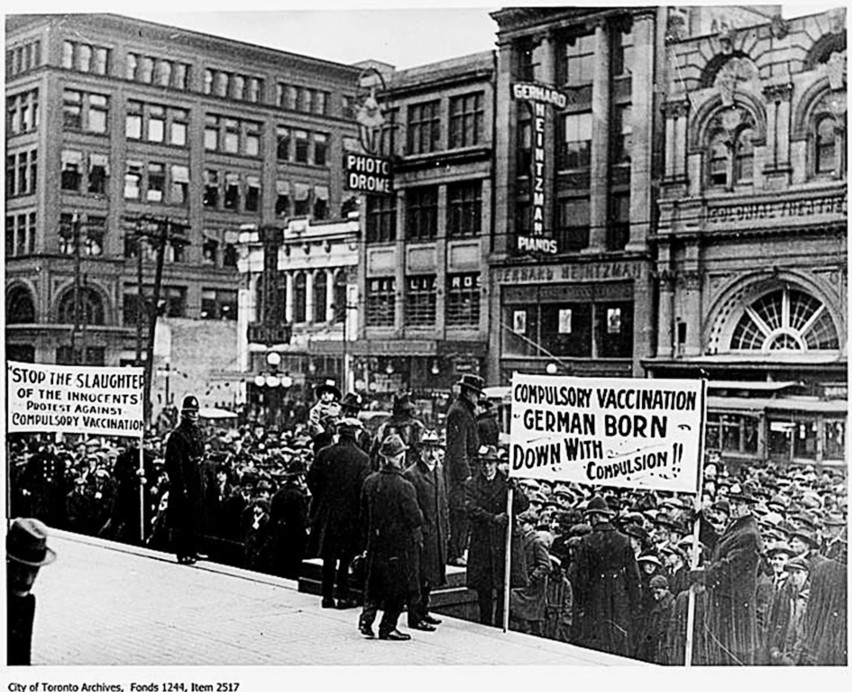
(103, 603)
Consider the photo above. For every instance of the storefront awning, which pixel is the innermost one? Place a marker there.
(751, 386)
(833, 407)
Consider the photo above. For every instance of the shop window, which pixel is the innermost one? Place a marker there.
(565, 328)
(464, 295)
(420, 301)
(834, 439)
(733, 433)
(381, 302)
(614, 330)
(421, 214)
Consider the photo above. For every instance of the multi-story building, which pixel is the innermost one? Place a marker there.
(751, 268)
(424, 319)
(111, 119)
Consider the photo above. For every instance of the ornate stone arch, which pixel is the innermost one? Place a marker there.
(732, 303)
(96, 305)
(20, 304)
(809, 106)
(704, 124)
(823, 47)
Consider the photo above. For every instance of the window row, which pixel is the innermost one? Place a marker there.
(21, 173)
(175, 251)
(231, 136)
(155, 181)
(87, 234)
(463, 298)
(156, 123)
(302, 99)
(22, 112)
(231, 85)
(216, 303)
(85, 112)
(318, 311)
(20, 234)
(85, 57)
(301, 199)
(82, 173)
(218, 253)
(301, 146)
(586, 329)
(463, 214)
(157, 71)
(23, 58)
(230, 190)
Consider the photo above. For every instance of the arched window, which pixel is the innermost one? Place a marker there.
(320, 297)
(300, 298)
(785, 320)
(19, 306)
(90, 302)
(824, 146)
(744, 156)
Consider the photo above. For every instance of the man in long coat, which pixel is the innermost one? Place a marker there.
(427, 477)
(462, 445)
(731, 579)
(528, 604)
(392, 518)
(335, 479)
(606, 585)
(485, 501)
(184, 465)
(288, 518)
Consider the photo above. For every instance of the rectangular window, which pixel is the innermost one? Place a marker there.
(218, 304)
(420, 301)
(231, 142)
(67, 55)
(180, 77)
(424, 127)
(464, 209)
(210, 251)
(156, 124)
(211, 132)
(463, 298)
(72, 170)
(614, 329)
(467, 116)
(252, 139)
(133, 120)
(156, 182)
(282, 198)
(133, 180)
(98, 114)
(180, 184)
(320, 149)
(564, 328)
(255, 90)
(421, 213)
(575, 146)
(282, 149)
(524, 150)
(100, 61)
(22, 112)
(98, 173)
(238, 86)
(252, 193)
(387, 135)
(574, 220)
(381, 219)
(94, 238)
(72, 110)
(320, 202)
(232, 191)
(618, 232)
(381, 302)
(302, 200)
(211, 188)
(66, 233)
(179, 125)
(622, 133)
(302, 146)
(579, 60)
(622, 53)
(11, 176)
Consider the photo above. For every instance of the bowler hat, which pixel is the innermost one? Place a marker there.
(392, 446)
(807, 535)
(190, 403)
(327, 386)
(598, 505)
(780, 547)
(472, 382)
(635, 531)
(796, 563)
(352, 400)
(26, 543)
(487, 453)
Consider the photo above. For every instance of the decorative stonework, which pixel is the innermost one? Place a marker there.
(778, 92)
(676, 109)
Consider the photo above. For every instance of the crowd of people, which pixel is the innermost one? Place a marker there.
(762, 553)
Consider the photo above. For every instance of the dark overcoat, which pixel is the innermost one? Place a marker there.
(825, 624)
(486, 559)
(435, 531)
(731, 577)
(529, 602)
(392, 518)
(606, 591)
(288, 517)
(335, 479)
(462, 445)
(410, 431)
(184, 465)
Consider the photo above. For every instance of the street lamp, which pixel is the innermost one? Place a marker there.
(551, 369)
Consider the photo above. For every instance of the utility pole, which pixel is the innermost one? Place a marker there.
(75, 238)
(141, 312)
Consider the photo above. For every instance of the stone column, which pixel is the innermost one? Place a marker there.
(441, 264)
(329, 296)
(681, 122)
(642, 95)
(599, 183)
(668, 113)
(665, 312)
(401, 262)
(548, 76)
(309, 296)
(778, 169)
(288, 305)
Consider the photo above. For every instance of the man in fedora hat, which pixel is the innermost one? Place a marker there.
(350, 406)
(26, 553)
(606, 587)
(459, 461)
(187, 483)
(805, 545)
(392, 519)
(324, 414)
(786, 619)
(335, 479)
(404, 424)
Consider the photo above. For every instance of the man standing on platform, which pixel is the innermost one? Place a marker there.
(335, 479)
(392, 519)
(184, 459)
(427, 477)
(462, 445)
(606, 585)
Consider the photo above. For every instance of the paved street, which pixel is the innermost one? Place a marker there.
(105, 604)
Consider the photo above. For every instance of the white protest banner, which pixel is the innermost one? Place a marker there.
(69, 399)
(627, 433)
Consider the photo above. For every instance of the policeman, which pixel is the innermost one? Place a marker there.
(184, 457)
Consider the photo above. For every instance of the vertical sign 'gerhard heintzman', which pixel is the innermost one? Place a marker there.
(538, 97)
(627, 433)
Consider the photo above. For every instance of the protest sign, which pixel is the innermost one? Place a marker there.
(58, 398)
(627, 433)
